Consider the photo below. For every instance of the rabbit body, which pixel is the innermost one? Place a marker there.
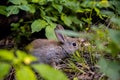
(50, 51)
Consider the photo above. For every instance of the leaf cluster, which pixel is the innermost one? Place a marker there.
(46, 14)
(24, 70)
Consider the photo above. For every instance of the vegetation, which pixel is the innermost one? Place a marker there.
(97, 21)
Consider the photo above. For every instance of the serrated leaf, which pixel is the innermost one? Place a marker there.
(6, 55)
(18, 1)
(12, 10)
(50, 34)
(49, 73)
(58, 7)
(25, 73)
(66, 19)
(37, 25)
(4, 70)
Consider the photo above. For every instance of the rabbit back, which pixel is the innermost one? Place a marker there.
(37, 43)
(49, 53)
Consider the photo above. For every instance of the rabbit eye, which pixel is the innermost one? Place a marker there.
(74, 44)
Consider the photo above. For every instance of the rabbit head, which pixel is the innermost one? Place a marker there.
(70, 45)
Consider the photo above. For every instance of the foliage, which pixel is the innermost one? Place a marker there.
(49, 73)
(46, 13)
(99, 20)
(23, 67)
(4, 68)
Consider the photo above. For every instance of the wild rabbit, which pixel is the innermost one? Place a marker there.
(52, 52)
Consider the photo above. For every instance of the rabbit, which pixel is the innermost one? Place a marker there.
(51, 51)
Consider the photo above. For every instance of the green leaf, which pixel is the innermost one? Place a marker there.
(18, 1)
(37, 25)
(66, 19)
(115, 36)
(75, 78)
(24, 57)
(75, 19)
(49, 73)
(42, 2)
(104, 3)
(32, 8)
(80, 10)
(35, 1)
(98, 12)
(116, 20)
(43, 14)
(49, 19)
(73, 5)
(7, 55)
(24, 7)
(70, 33)
(12, 10)
(107, 13)
(50, 34)
(4, 70)
(110, 68)
(88, 3)
(3, 10)
(88, 20)
(58, 7)
(113, 49)
(25, 73)
(52, 18)
(28, 7)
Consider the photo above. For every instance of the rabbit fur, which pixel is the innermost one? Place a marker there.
(50, 51)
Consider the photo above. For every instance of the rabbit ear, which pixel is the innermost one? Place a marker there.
(60, 36)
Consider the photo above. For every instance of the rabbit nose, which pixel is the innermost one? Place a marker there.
(85, 43)
(83, 40)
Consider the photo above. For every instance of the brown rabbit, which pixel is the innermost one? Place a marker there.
(50, 51)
